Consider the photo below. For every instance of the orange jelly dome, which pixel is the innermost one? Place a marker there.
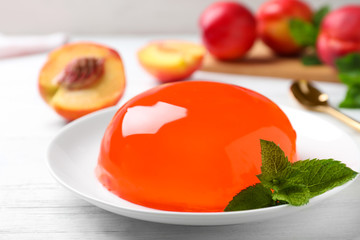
(190, 146)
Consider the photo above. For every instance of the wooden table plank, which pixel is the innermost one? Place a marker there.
(260, 61)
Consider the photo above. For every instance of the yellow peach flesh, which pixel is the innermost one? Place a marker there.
(107, 91)
(171, 58)
(94, 96)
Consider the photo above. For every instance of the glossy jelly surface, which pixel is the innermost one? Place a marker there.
(190, 146)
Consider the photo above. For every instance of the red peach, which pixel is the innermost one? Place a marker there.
(339, 34)
(273, 24)
(228, 30)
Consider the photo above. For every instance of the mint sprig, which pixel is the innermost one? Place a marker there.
(319, 16)
(293, 183)
(348, 68)
(352, 98)
(305, 34)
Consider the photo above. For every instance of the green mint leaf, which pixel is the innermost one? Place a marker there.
(320, 176)
(350, 78)
(273, 160)
(304, 33)
(253, 197)
(352, 97)
(309, 60)
(295, 195)
(349, 68)
(348, 63)
(319, 16)
(282, 179)
(349, 73)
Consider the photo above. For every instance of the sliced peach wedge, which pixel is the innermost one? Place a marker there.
(80, 78)
(171, 60)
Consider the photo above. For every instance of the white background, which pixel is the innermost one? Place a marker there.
(113, 16)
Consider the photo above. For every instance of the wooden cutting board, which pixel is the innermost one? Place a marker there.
(260, 61)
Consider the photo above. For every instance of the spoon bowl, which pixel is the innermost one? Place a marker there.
(308, 95)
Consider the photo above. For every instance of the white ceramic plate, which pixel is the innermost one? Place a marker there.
(72, 157)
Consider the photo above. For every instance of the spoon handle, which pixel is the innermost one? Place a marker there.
(343, 117)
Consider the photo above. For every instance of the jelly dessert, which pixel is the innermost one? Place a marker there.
(190, 146)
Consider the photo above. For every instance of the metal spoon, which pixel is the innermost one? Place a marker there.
(312, 99)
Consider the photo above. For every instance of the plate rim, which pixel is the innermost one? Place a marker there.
(150, 211)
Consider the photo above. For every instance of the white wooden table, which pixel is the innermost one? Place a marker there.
(34, 206)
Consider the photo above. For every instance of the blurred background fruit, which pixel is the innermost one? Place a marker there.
(228, 30)
(339, 34)
(171, 60)
(273, 24)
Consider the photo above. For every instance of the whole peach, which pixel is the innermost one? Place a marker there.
(273, 24)
(228, 30)
(339, 34)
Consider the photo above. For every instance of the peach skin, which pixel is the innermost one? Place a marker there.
(339, 34)
(273, 24)
(228, 30)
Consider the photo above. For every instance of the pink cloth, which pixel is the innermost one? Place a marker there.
(13, 46)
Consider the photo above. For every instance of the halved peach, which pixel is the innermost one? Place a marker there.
(80, 78)
(171, 60)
